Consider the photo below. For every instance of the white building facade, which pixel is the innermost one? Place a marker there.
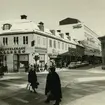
(21, 39)
(78, 30)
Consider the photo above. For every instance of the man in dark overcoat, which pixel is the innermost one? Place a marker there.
(32, 78)
(53, 87)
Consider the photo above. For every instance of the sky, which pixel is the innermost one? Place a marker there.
(91, 12)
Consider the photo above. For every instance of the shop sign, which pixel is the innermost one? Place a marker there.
(13, 50)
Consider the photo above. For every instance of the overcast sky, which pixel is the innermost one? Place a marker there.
(91, 12)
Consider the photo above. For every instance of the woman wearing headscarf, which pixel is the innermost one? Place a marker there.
(53, 87)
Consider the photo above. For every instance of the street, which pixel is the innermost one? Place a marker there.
(14, 92)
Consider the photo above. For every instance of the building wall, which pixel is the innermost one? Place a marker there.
(77, 33)
(10, 62)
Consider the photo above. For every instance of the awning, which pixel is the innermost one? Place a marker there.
(53, 56)
(68, 53)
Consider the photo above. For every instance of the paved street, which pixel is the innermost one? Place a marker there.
(75, 85)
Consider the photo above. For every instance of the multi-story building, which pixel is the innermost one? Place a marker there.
(102, 39)
(22, 38)
(87, 37)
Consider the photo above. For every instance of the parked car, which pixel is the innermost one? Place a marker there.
(86, 63)
(79, 64)
(72, 65)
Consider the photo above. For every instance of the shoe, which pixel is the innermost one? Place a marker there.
(35, 92)
(46, 101)
(31, 91)
(56, 103)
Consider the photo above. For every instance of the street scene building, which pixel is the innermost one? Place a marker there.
(102, 39)
(82, 34)
(22, 39)
(52, 52)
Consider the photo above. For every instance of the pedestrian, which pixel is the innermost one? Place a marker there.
(32, 79)
(53, 87)
(45, 67)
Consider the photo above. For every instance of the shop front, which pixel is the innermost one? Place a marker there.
(42, 57)
(20, 62)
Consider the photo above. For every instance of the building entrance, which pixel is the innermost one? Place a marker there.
(21, 62)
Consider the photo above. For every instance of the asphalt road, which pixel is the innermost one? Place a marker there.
(14, 91)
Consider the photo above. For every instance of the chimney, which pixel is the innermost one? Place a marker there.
(52, 31)
(68, 35)
(23, 16)
(58, 30)
(62, 35)
(41, 26)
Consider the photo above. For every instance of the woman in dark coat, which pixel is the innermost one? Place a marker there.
(53, 87)
(32, 78)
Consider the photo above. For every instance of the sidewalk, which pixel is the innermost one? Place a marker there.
(96, 70)
(19, 75)
(94, 99)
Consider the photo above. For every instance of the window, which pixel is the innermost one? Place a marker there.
(58, 45)
(54, 44)
(16, 40)
(62, 45)
(32, 43)
(65, 46)
(5, 41)
(50, 43)
(25, 39)
(38, 39)
(6, 26)
(44, 41)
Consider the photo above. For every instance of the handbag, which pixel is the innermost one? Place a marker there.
(51, 96)
(28, 86)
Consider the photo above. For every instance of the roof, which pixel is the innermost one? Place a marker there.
(68, 21)
(102, 37)
(28, 26)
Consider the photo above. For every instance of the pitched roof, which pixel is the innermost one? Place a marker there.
(68, 21)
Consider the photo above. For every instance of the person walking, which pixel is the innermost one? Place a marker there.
(32, 79)
(53, 87)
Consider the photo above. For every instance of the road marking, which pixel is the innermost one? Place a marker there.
(88, 79)
(21, 100)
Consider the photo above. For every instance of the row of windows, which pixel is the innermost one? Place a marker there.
(54, 44)
(39, 41)
(16, 40)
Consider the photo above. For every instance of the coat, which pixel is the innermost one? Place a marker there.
(32, 78)
(53, 85)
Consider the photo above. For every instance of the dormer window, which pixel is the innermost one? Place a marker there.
(7, 26)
